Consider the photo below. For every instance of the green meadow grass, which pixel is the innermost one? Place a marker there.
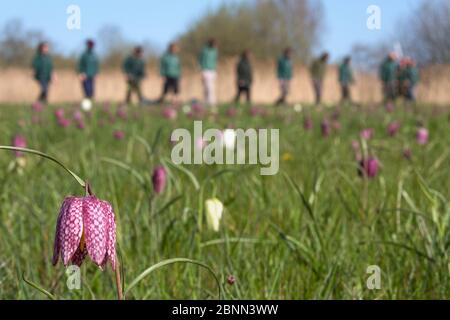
(309, 232)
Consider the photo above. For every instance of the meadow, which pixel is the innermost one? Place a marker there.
(309, 232)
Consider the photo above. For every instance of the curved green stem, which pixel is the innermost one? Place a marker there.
(44, 155)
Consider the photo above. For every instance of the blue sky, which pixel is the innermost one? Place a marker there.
(160, 21)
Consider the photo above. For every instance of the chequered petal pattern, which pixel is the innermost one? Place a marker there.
(85, 226)
(95, 222)
(70, 228)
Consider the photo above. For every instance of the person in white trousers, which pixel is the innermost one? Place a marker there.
(208, 65)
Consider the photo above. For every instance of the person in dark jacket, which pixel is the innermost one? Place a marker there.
(88, 67)
(244, 77)
(408, 78)
(134, 68)
(345, 79)
(318, 69)
(284, 73)
(388, 75)
(43, 70)
(170, 70)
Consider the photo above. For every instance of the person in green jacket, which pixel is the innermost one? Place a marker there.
(244, 76)
(43, 69)
(134, 68)
(346, 79)
(318, 69)
(170, 70)
(388, 76)
(284, 73)
(208, 64)
(408, 78)
(88, 67)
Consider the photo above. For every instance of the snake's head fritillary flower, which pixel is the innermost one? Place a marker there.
(169, 113)
(119, 135)
(393, 128)
(214, 210)
(85, 226)
(159, 179)
(231, 280)
(325, 128)
(59, 113)
(422, 136)
(63, 122)
(307, 124)
(78, 115)
(367, 134)
(37, 106)
(255, 111)
(122, 113)
(369, 167)
(231, 112)
(19, 141)
(407, 154)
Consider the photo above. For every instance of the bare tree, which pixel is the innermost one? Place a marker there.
(425, 32)
(265, 26)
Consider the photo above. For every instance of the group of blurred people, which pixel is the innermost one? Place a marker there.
(399, 78)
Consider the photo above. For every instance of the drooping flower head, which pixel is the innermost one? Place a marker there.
(367, 134)
(169, 113)
(37, 106)
(159, 179)
(19, 141)
(368, 167)
(325, 128)
(307, 123)
(393, 128)
(119, 134)
(231, 112)
(422, 136)
(214, 210)
(85, 226)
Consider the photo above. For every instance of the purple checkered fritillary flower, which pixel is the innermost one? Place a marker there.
(85, 226)
(159, 179)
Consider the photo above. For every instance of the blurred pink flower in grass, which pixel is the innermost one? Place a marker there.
(369, 167)
(85, 226)
(169, 113)
(389, 107)
(422, 136)
(59, 113)
(231, 112)
(367, 134)
(63, 122)
(393, 128)
(19, 141)
(325, 128)
(308, 123)
(119, 134)
(37, 106)
(159, 179)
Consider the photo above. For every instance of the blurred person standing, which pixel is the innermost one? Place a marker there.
(208, 64)
(88, 68)
(134, 68)
(170, 70)
(284, 73)
(408, 78)
(318, 69)
(388, 75)
(244, 77)
(346, 79)
(43, 70)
